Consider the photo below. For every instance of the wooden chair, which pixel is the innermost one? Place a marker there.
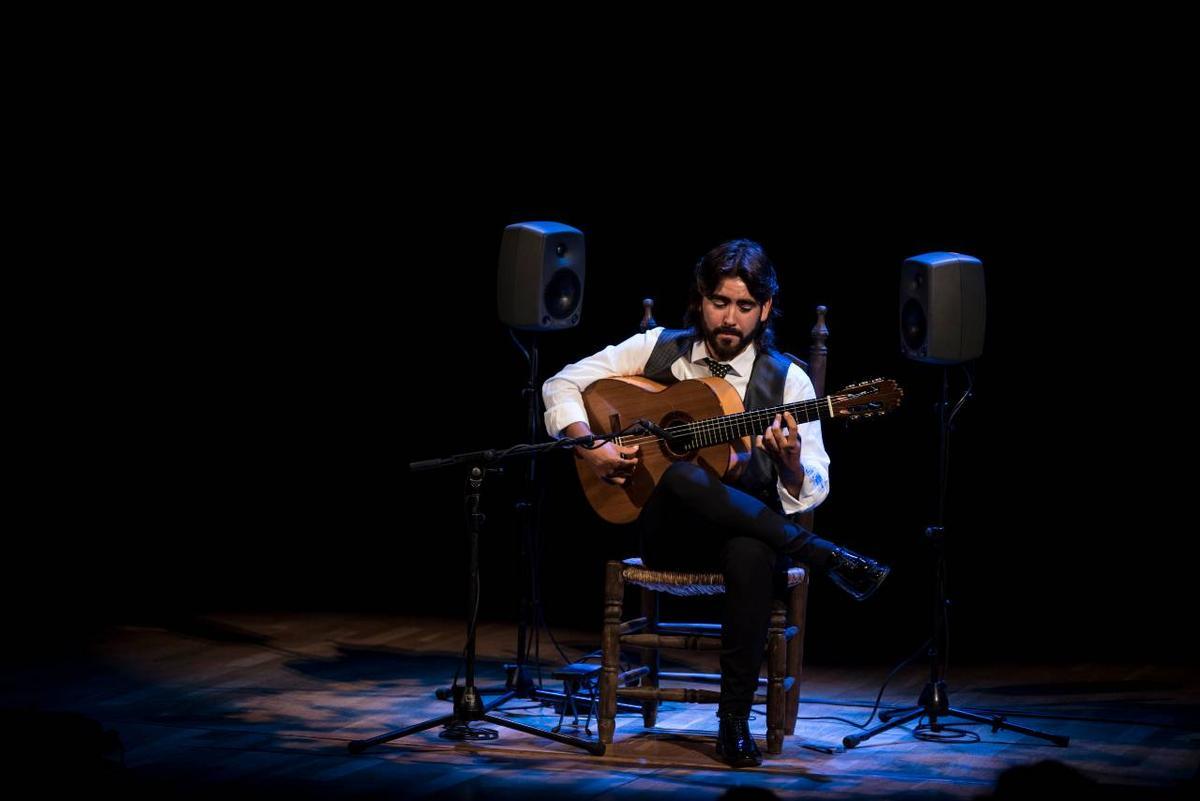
(648, 634)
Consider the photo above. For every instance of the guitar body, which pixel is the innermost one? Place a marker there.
(612, 404)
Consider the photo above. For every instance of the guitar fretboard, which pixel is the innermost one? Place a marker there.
(715, 430)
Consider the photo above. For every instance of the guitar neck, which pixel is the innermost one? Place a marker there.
(715, 430)
(752, 423)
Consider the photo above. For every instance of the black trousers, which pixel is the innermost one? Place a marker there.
(694, 522)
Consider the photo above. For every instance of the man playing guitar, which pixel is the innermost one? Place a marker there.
(694, 521)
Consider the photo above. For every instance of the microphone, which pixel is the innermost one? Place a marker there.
(655, 430)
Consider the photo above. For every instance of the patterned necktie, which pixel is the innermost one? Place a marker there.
(716, 368)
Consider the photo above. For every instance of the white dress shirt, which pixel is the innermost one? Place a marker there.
(563, 394)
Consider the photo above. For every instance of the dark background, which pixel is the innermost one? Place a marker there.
(237, 406)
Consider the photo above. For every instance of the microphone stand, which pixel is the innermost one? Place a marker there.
(468, 703)
(934, 701)
(530, 609)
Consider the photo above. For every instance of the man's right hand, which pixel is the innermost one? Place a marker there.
(613, 463)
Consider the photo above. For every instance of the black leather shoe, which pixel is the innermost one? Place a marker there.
(735, 744)
(856, 574)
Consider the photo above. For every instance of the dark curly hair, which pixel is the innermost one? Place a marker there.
(738, 258)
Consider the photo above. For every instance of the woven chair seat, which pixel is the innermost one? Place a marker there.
(676, 582)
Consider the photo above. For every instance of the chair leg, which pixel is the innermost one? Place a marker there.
(776, 672)
(614, 599)
(797, 610)
(650, 656)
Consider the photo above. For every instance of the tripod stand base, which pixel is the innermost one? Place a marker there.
(997, 722)
(460, 720)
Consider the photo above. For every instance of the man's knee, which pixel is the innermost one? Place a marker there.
(684, 479)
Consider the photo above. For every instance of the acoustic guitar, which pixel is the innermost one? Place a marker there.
(700, 420)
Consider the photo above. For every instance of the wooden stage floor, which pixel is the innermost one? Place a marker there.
(263, 705)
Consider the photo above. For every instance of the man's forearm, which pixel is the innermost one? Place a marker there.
(577, 430)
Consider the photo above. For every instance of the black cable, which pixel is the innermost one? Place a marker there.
(539, 609)
(878, 697)
(533, 636)
(520, 347)
(890, 676)
(944, 734)
(1005, 713)
(967, 395)
(943, 566)
(945, 579)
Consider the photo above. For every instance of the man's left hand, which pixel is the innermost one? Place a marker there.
(782, 442)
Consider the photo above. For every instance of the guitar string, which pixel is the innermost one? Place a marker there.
(701, 430)
(721, 425)
(726, 424)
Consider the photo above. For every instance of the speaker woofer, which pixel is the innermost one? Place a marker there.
(562, 294)
(913, 326)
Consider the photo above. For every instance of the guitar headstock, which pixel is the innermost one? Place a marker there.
(866, 399)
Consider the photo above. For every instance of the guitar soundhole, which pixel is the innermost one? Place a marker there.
(680, 449)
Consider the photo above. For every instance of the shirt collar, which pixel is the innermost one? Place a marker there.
(742, 364)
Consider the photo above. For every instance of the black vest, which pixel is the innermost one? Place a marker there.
(767, 379)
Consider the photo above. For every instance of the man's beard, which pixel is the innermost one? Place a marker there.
(726, 353)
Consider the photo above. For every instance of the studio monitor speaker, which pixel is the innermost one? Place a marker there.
(540, 281)
(943, 308)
